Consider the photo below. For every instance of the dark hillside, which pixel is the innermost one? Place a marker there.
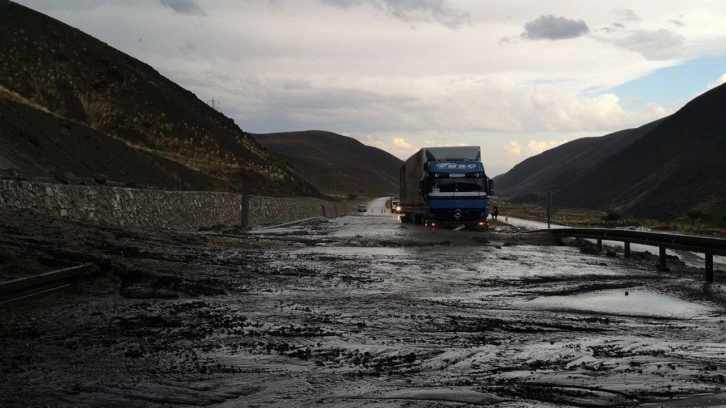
(38, 143)
(677, 166)
(51, 66)
(335, 164)
(660, 170)
(558, 167)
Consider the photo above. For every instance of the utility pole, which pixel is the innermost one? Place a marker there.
(549, 208)
(214, 104)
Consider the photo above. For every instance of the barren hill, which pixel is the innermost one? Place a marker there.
(660, 170)
(92, 90)
(555, 168)
(38, 143)
(337, 165)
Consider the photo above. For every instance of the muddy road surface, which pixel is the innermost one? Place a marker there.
(359, 311)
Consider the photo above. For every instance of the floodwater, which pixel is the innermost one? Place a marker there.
(626, 302)
(445, 318)
(363, 311)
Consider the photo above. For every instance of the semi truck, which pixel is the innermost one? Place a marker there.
(445, 187)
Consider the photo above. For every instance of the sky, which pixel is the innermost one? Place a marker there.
(515, 78)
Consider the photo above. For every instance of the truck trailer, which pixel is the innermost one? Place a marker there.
(445, 187)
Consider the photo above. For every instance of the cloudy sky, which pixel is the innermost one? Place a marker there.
(514, 77)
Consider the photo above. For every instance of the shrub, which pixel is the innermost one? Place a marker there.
(612, 216)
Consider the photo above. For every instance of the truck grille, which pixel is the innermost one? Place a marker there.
(449, 214)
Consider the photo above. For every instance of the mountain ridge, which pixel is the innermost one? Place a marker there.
(337, 165)
(53, 67)
(660, 170)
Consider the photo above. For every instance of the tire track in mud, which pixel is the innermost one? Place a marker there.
(537, 325)
(361, 314)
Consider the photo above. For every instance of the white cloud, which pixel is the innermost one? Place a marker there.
(435, 71)
(401, 143)
(539, 146)
(623, 15)
(513, 147)
(719, 81)
(440, 11)
(397, 146)
(372, 141)
(655, 45)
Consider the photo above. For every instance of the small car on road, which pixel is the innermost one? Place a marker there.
(396, 206)
(362, 208)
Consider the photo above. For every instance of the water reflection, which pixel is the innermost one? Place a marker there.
(625, 302)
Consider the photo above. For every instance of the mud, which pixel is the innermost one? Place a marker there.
(353, 312)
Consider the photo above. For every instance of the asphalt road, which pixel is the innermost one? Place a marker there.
(378, 206)
(358, 311)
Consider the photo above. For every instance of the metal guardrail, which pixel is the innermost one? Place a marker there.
(37, 285)
(706, 245)
(554, 222)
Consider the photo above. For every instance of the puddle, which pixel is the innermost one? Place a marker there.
(355, 251)
(636, 303)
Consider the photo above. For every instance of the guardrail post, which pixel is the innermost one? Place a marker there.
(705, 245)
(709, 268)
(662, 258)
(245, 210)
(549, 210)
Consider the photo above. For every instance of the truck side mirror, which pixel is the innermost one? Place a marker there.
(426, 166)
(491, 187)
(420, 187)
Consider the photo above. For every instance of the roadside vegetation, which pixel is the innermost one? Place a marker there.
(693, 222)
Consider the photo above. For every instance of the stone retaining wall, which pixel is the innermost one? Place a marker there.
(180, 210)
(273, 210)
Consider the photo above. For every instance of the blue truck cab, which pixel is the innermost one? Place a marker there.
(445, 187)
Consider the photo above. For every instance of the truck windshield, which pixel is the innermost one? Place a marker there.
(461, 185)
